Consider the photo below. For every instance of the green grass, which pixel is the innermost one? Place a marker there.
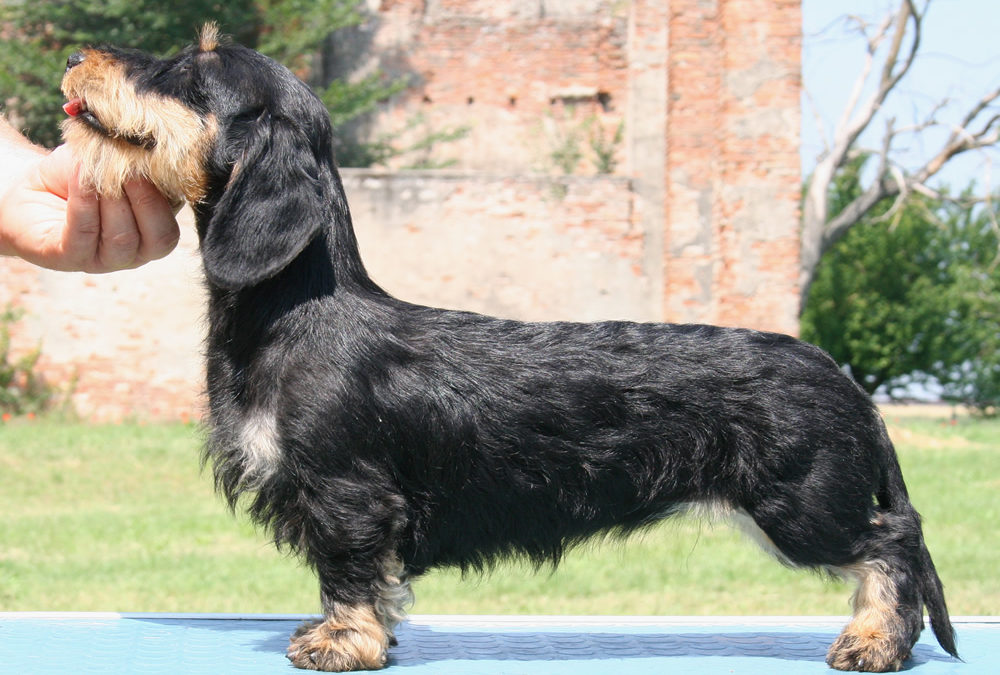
(119, 518)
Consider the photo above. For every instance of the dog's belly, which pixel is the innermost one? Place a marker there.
(537, 533)
(509, 515)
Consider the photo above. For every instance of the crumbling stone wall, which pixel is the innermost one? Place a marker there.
(527, 247)
(733, 177)
(699, 222)
(707, 92)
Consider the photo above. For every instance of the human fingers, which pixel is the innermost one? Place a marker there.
(57, 170)
(154, 220)
(81, 236)
(120, 239)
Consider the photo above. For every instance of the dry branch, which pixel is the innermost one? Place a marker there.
(820, 230)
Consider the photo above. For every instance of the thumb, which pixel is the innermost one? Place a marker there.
(56, 171)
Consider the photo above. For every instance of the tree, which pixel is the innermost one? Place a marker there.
(43, 33)
(874, 300)
(968, 367)
(912, 296)
(892, 48)
(295, 33)
(39, 35)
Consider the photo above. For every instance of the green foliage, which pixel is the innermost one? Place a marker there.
(291, 31)
(294, 32)
(40, 34)
(415, 154)
(604, 147)
(911, 294)
(43, 33)
(22, 391)
(968, 365)
(348, 100)
(567, 139)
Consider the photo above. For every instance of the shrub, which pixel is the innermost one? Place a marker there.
(22, 390)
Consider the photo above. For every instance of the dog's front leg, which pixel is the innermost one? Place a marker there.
(348, 637)
(353, 635)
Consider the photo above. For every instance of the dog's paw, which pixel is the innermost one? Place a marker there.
(335, 647)
(872, 652)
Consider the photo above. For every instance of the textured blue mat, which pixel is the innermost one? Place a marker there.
(162, 643)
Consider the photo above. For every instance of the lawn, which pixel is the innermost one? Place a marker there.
(119, 518)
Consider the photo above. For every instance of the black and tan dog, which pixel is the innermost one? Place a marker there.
(380, 439)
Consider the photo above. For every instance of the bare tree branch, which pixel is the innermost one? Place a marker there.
(900, 201)
(890, 79)
(816, 235)
(859, 83)
(818, 119)
(903, 28)
(961, 140)
(849, 132)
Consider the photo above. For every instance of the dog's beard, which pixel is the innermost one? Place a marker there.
(77, 108)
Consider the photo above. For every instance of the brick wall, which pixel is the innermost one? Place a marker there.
(707, 91)
(526, 247)
(521, 75)
(699, 224)
(131, 340)
(733, 178)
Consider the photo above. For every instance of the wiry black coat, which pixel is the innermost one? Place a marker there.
(364, 430)
(469, 437)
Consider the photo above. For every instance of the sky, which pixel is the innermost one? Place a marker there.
(959, 61)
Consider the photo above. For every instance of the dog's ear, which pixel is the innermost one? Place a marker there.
(271, 208)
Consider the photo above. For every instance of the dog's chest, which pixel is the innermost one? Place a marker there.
(259, 443)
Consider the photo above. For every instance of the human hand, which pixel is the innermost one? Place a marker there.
(49, 219)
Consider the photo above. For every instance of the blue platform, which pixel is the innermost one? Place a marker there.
(445, 645)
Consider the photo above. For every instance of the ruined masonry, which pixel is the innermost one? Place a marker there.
(692, 105)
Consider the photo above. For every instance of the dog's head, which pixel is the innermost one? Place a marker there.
(218, 125)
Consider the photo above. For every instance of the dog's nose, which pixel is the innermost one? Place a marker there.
(75, 59)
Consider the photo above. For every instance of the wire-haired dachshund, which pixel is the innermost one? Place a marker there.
(380, 439)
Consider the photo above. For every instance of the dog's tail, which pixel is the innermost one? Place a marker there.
(894, 499)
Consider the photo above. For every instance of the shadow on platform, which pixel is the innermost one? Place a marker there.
(421, 644)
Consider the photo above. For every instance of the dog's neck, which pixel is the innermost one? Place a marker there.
(328, 263)
(344, 258)
(329, 266)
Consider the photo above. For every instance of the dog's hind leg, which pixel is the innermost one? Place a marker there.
(353, 635)
(887, 607)
(837, 527)
(896, 580)
(886, 621)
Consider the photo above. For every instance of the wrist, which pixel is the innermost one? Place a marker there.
(19, 154)
(20, 157)
(6, 223)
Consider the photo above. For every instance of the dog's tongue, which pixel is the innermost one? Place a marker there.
(74, 107)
